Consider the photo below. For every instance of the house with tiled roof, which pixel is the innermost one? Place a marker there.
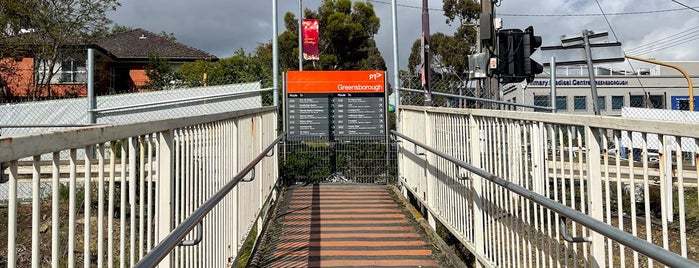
(121, 60)
(125, 56)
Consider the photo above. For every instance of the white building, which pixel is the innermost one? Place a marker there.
(656, 87)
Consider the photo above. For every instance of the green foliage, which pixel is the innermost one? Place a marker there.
(118, 28)
(54, 26)
(346, 34)
(193, 72)
(239, 68)
(246, 252)
(464, 11)
(449, 52)
(160, 73)
(305, 162)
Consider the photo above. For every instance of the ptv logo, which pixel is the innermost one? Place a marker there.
(375, 76)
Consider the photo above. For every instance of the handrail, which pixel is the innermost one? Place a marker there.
(178, 101)
(644, 247)
(197, 240)
(164, 248)
(480, 99)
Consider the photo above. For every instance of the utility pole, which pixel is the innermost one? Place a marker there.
(591, 71)
(486, 39)
(487, 42)
(426, 53)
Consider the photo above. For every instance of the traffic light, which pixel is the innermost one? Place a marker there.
(508, 48)
(530, 43)
(515, 48)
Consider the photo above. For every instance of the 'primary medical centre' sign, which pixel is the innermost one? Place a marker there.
(580, 82)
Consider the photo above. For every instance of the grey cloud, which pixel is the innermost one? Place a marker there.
(221, 27)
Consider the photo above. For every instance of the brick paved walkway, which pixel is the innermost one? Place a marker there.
(344, 225)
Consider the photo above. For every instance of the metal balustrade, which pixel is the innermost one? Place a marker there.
(115, 191)
(523, 189)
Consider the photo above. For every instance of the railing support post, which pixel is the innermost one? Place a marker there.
(595, 197)
(165, 189)
(477, 185)
(429, 173)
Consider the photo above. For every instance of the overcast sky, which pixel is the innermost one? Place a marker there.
(221, 27)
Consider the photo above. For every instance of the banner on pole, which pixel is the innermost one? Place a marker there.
(310, 39)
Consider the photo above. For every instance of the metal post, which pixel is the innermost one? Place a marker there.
(91, 99)
(300, 35)
(679, 69)
(553, 85)
(396, 72)
(426, 53)
(591, 71)
(594, 148)
(275, 53)
(165, 189)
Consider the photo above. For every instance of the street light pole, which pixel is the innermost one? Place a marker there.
(300, 35)
(426, 53)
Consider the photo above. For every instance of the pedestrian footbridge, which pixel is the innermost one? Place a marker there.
(498, 188)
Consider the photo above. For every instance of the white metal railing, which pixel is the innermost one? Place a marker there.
(568, 159)
(149, 178)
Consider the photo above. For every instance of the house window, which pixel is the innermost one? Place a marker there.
(72, 71)
(617, 102)
(580, 103)
(561, 103)
(601, 103)
(656, 101)
(636, 101)
(543, 101)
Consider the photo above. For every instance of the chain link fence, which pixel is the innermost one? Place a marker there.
(634, 140)
(450, 90)
(56, 114)
(357, 159)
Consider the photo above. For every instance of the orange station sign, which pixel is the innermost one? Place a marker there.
(335, 82)
(335, 105)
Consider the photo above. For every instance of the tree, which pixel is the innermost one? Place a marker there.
(239, 68)
(160, 73)
(346, 38)
(449, 66)
(53, 32)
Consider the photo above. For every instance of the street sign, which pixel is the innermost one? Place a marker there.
(573, 55)
(567, 41)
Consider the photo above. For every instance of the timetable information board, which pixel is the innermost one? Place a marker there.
(335, 105)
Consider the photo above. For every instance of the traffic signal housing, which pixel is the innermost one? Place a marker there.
(515, 48)
(531, 42)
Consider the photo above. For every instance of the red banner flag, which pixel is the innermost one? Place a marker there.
(310, 39)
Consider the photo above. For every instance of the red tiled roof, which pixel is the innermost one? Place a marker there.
(139, 44)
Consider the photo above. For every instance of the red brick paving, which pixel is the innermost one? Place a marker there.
(344, 226)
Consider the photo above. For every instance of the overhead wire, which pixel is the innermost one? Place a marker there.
(651, 50)
(666, 39)
(553, 15)
(616, 38)
(681, 4)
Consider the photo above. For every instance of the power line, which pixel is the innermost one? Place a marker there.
(648, 51)
(555, 15)
(593, 14)
(665, 39)
(617, 39)
(608, 23)
(685, 6)
(664, 44)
